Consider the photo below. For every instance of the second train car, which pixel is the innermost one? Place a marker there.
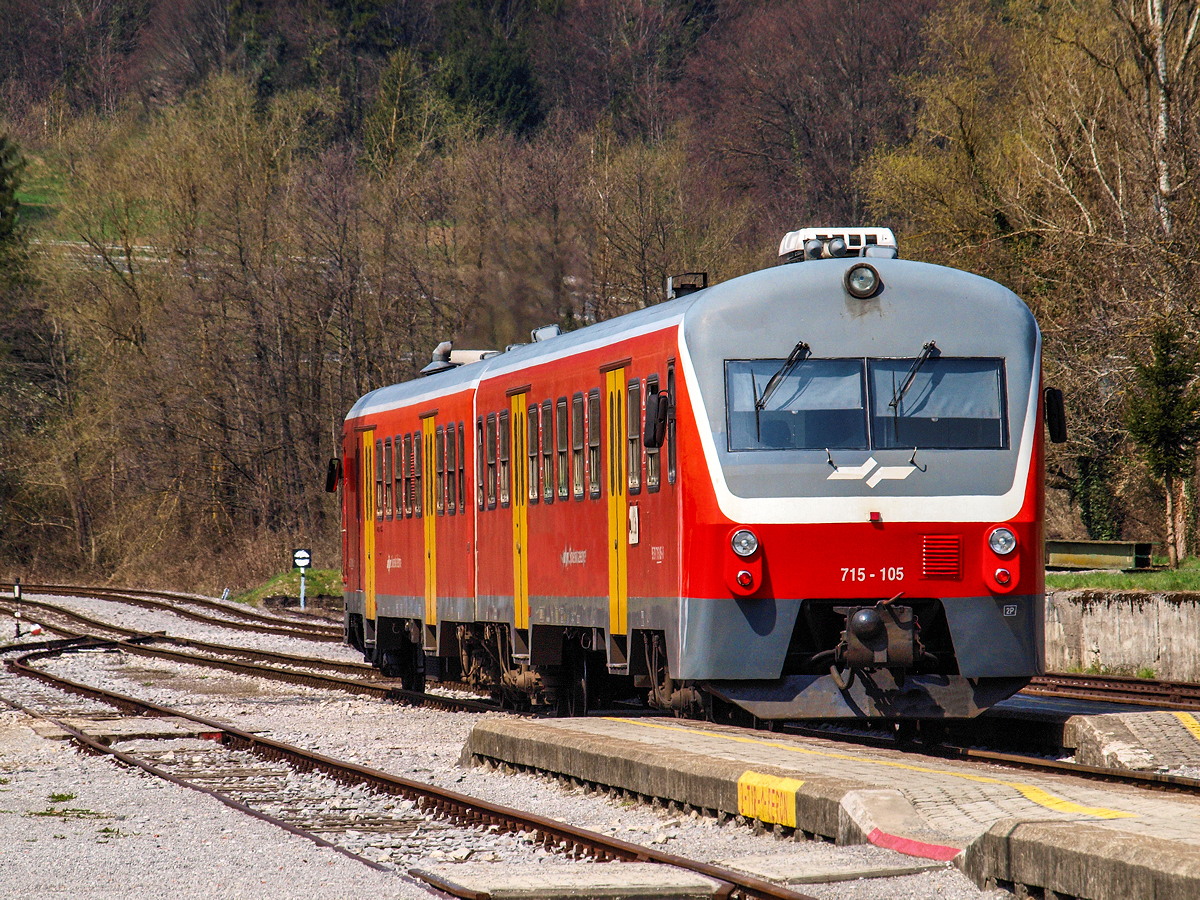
(814, 491)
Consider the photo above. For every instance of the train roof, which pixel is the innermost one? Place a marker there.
(469, 376)
(797, 300)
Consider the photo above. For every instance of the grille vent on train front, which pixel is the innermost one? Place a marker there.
(941, 555)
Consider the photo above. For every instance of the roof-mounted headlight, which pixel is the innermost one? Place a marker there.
(862, 281)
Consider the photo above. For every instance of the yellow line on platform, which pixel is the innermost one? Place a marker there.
(1189, 722)
(1030, 792)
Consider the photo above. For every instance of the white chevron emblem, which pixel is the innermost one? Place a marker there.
(889, 473)
(853, 474)
(883, 473)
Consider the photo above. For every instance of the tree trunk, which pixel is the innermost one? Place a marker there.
(1172, 548)
(1181, 519)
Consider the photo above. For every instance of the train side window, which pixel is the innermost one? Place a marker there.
(439, 495)
(479, 473)
(594, 474)
(505, 467)
(577, 439)
(418, 475)
(564, 470)
(462, 468)
(387, 478)
(533, 444)
(406, 473)
(671, 431)
(451, 471)
(633, 432)
(490, 448)
(398, 476)
(653, 454)
(548, 451)
(379, 481)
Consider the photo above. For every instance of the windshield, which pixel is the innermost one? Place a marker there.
(951, 404)
(818, 404)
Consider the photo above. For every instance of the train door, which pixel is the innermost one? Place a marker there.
(429, 463)
(520, 511)
(618, 503)
(366, 493)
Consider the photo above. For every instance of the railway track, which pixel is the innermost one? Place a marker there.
(307, 671)
(448, 808)
(292, 669)
(180, 605)
(1117, 689)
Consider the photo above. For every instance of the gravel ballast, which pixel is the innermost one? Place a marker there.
(417, 743)
(78, 826)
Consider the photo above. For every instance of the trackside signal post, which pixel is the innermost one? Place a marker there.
(302, 559)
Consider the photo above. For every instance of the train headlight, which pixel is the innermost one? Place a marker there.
(862, 280)
(744, 542)
(1002, 541)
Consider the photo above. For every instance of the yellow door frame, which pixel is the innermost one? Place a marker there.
(618, 505)
(429, 464)
(520, 508)
(367, 492)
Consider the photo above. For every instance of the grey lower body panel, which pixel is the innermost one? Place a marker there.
(868, 694)
(733, 638)
(399, 606)
(998, 636)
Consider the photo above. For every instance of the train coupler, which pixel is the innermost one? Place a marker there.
(883, 635)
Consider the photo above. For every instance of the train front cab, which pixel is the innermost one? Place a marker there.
(860, 523)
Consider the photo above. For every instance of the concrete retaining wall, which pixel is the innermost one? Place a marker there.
(1124, 630)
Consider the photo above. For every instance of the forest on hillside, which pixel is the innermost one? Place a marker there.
(221, 221)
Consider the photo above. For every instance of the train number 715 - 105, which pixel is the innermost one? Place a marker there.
(885, 573)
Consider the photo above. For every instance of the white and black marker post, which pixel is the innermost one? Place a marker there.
(301, 559)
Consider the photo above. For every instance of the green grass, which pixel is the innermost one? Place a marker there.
(1097, 669)
(327, 582)
(1185, 578)
(62, 798)
(67, 814)
(41, 194)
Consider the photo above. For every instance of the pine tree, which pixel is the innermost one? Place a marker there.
(12, 236)
(1163, 415)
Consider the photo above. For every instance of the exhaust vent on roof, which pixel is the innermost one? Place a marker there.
(687, 283)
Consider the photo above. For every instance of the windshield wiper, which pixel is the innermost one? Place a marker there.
(794, 357)
(927, 351)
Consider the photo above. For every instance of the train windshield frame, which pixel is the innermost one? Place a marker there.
(952, 403)
(819, 403)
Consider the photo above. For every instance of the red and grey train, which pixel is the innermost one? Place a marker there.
(814, 491)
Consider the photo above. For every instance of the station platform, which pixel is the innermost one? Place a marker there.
(1107, 735)
(1058, 835)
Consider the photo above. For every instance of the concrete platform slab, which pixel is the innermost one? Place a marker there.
(598, 881)
(108, 731)
(1075, 837)
(793, 870)
(1146, 741)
